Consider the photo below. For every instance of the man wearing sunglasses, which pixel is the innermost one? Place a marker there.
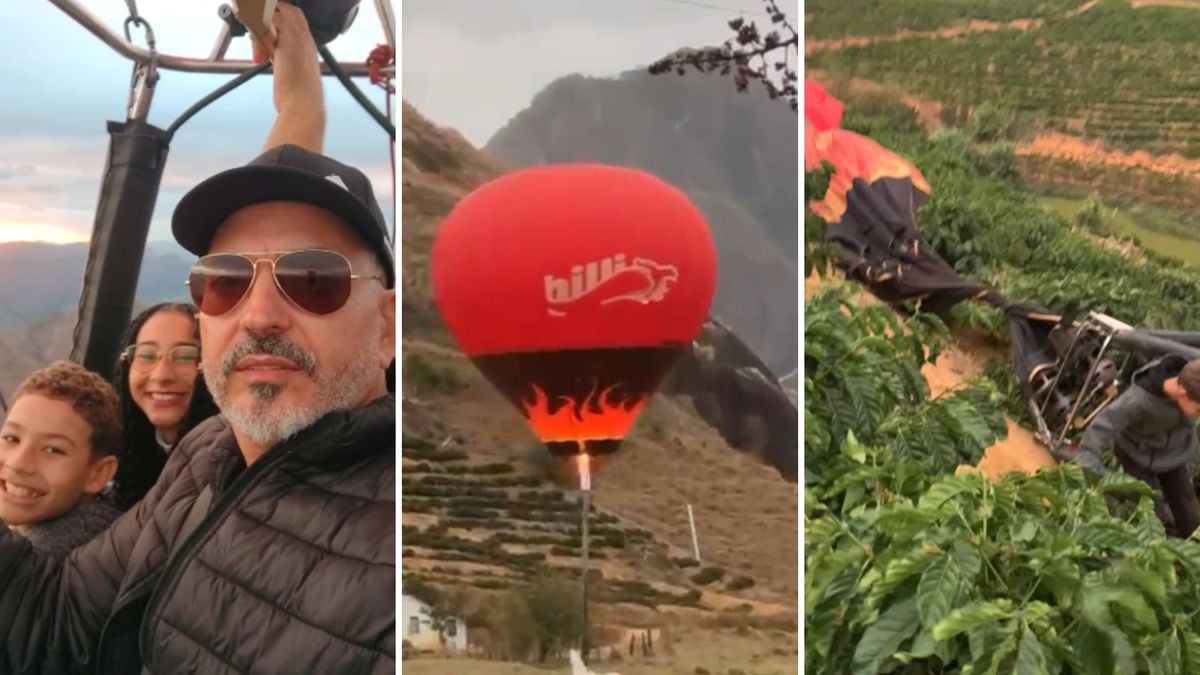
(268, 543)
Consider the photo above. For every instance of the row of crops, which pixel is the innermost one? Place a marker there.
(1127, 75)
(911, 568)
(839, 18)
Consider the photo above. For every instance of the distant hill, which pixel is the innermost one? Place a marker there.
(49, 278)
(734, 154)
(39, 296)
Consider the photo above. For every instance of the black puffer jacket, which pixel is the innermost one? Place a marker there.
(292, 571)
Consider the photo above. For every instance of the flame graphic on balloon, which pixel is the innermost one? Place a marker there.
(599, 416)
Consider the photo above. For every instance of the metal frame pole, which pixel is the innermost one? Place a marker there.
(387, 19)
(86, 18)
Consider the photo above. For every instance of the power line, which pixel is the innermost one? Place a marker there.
(718, 8)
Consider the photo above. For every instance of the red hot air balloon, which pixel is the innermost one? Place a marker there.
(574, 288)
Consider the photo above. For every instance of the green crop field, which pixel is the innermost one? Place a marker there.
(1187, 250)
(1126, 76)
(839, 18)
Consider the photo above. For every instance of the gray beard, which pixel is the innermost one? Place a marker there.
(261, 420)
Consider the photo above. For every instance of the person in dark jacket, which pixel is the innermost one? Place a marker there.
(268, 543)
(1151, 428)
(162, 394)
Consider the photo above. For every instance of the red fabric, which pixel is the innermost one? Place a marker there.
(855, 157)
(821, 110)
(573, 256)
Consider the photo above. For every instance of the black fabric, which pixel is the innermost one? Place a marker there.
(285, 173)
(327, 18)
(292, 570)
(1177, 507)
(137, 155)
(880, 246)
(1032, 353)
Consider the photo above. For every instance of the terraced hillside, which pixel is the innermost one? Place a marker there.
(829, 19)
(1117, 73)
(492, 526)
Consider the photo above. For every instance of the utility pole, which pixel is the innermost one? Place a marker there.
(585, 501)
(695, 542)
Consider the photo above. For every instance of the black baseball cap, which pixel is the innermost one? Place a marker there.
(285, 173)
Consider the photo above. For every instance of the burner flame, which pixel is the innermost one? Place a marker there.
(596, 417)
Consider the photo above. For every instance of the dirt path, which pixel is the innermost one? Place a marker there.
(1080, 151)
(1186, 4)
(928, 112)
(952, 31)
(1018, 451)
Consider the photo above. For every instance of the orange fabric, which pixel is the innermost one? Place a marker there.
(854, 156)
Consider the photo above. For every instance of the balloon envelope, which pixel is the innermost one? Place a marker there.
(573, 288)
(870, 210)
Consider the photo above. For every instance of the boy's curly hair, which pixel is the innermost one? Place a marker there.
(90, 396)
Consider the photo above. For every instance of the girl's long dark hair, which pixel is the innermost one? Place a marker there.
(142, 458)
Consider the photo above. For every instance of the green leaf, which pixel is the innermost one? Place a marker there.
(1094, 650)
(853, 449)
(902, 521)
(1035, 611)
(1026, 532)
(1095, 607)
(819, 531)
(924, 645)
(1167, 659)
(968, 559)
(973, 615)
(1136, 607)
(938, 592)
(842, 585)
(1188, 553)
(1119, 483)
(1190, 644)
(1030, 658)
(1110, 535)
(897, 572)
(1149, 583)
(948, 488)
(883, 638)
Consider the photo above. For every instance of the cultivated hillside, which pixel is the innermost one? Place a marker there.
(1104, 92)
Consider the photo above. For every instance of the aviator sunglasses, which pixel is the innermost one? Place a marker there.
(315, 280)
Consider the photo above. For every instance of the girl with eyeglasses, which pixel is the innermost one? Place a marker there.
(163, 395)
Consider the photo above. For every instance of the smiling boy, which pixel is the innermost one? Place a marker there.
(57, 449)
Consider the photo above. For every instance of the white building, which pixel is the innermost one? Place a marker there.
(417, 629)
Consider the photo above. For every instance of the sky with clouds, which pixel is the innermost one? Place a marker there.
(61, 86)
(473, 65)
(469, 64)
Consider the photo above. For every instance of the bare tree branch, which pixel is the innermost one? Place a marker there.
(750, 56)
